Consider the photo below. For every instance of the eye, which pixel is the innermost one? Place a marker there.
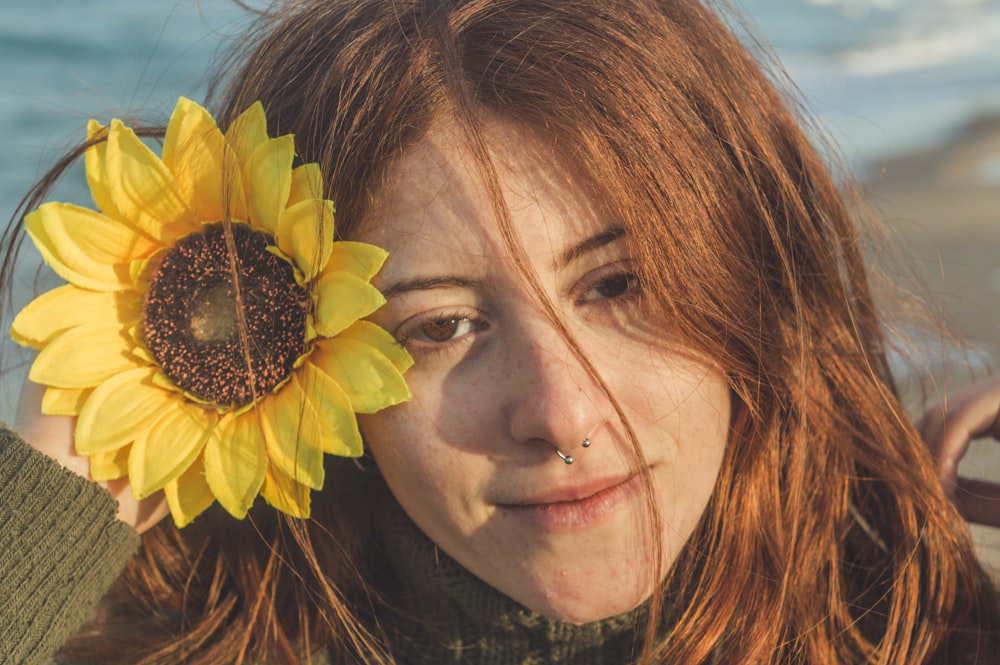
(438, 330)
(616, 285)
(443, 330)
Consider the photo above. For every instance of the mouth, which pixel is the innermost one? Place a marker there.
(574, 507)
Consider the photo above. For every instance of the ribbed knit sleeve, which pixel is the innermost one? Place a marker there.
(61, 548)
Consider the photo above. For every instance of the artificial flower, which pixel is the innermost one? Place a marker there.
(181, 377)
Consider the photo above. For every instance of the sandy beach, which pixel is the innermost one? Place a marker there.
(944, 206)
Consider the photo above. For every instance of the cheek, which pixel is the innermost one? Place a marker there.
(672, 397)
(398, 438)
(426, 458)
(448, 417)
(680, 410)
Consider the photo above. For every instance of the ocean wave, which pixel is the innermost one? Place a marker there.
(861, 9)
(919, 47)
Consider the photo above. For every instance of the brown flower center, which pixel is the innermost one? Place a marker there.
(192, 318)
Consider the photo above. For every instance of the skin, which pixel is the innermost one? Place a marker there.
(949, 428)
(53, 436)
(497, 388)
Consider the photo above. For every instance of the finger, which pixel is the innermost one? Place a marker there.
(979, 501)
(143, 514)
(973, 413)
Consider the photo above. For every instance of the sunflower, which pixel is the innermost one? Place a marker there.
(210, 338)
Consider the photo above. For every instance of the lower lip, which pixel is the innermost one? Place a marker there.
(574, 514)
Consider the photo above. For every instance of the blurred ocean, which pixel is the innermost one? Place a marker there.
(887, 76)
(882, 76)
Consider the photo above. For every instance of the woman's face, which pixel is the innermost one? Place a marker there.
(497, 390)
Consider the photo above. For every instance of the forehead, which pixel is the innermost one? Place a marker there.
(438, 198)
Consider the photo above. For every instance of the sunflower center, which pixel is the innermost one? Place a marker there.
(213, 315)
(192, 317)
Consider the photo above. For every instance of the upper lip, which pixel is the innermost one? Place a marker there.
(574, 492)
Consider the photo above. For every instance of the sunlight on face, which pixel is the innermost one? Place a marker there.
(496, 388)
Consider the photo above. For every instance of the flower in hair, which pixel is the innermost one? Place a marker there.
(210, 339)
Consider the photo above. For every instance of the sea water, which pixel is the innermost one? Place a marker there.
(881, 76)
(888, 76)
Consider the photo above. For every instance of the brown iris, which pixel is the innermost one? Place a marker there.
(191, 317)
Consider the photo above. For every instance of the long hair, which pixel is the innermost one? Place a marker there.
(827, 509)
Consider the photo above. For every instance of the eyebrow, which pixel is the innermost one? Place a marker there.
(426, 283)
(451, 281)
(592, 243)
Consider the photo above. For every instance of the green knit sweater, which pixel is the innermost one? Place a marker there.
(61, 548)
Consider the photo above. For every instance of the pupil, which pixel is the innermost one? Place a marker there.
(192, 316)
(616, 286)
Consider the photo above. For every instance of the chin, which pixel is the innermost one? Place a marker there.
(590, 600)
(596, 612)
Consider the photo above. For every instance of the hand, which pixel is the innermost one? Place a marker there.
(948, 429)
(53, 436)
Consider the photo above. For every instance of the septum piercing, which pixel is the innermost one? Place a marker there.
(567, 458)
(562, 456)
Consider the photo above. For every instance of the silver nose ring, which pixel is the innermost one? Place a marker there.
(568, 458)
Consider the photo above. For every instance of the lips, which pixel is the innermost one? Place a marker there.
(577, 506)
(575, 492)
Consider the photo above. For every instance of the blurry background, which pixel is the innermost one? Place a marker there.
(907, 90)
(66, 61)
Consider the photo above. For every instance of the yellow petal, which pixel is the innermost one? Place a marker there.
(307, 183)
(293, 434)
(120, 410)
(305, 233)
(141, 270)
(366, 376)
(97, 177)
(64, 402)
(339, 424)
(195, 152)
(358, 258)
(235, 462)
(110, 465)
(267, 175)
(247, 132)
(189, 495)
(342, 299)
(85, 247)
(143, 189)
(376, 336)
(67, 306)
(84, 356)
(285, 494)
(163, 451)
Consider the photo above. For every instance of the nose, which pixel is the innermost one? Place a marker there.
(553, 400)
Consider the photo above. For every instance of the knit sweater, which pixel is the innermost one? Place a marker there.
(61, 548)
